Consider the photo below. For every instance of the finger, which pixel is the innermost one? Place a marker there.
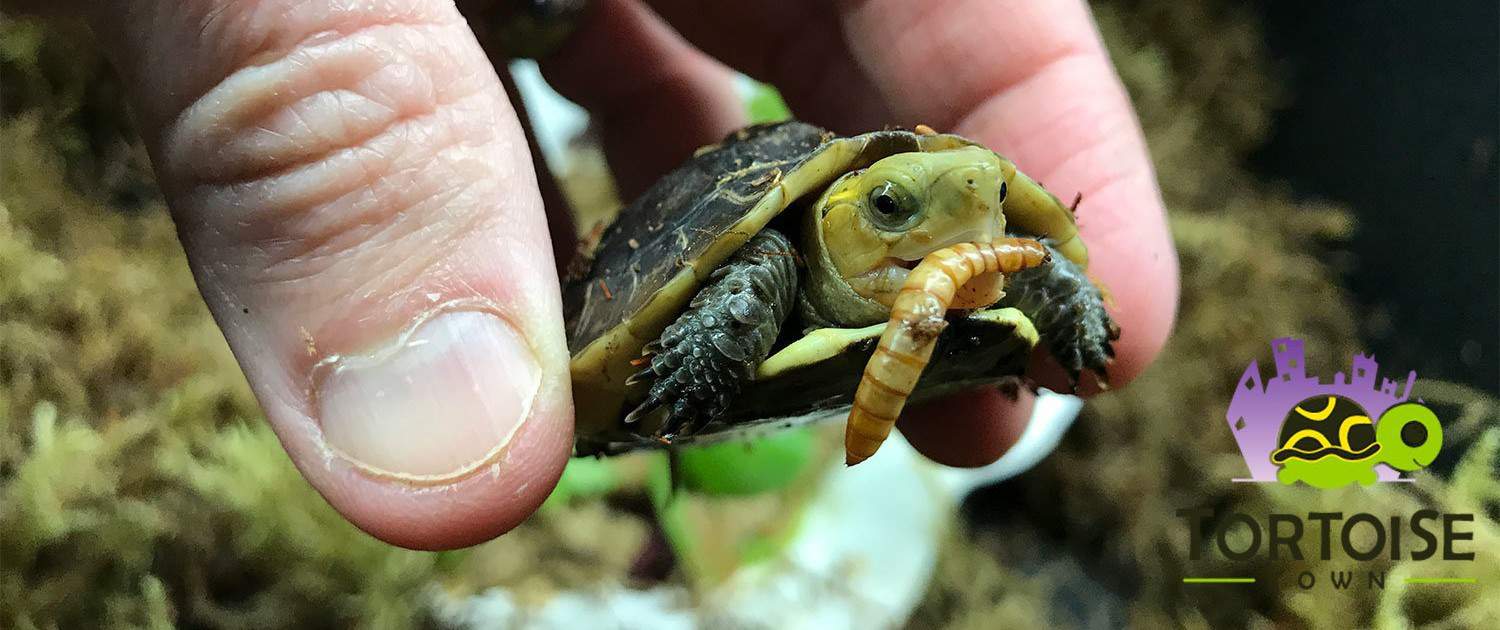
(354, 195)
(1032, 81)
(967, 429)
(792, 44)
(484, 17)
(560, 224)
(654, 96)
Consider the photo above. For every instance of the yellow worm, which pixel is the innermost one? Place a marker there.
(916, 320)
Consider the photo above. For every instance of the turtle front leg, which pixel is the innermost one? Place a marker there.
(703, 359)
(1068, 311)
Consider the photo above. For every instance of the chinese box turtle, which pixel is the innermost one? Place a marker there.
(787, 273)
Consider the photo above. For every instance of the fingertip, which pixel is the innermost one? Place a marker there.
(967, 429)
(454, 436)
(478, 506)
(475, 509)
(1135, 260)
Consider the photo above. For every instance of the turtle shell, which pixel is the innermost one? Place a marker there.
(1326, 425)
(653, 259)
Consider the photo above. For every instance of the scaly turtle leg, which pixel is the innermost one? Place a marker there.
(700, 362)
(1068, 311)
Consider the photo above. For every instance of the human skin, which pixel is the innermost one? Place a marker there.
(343, 172)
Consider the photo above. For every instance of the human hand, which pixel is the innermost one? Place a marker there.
(1028, 79)
(342, 174)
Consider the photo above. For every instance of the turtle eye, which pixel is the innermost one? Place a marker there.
(1003, 191)
(891, 206)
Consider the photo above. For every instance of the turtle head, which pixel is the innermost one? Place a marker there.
(1409, 435)
(875, 224)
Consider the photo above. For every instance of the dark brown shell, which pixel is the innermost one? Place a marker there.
(692, 208)
(675, 221)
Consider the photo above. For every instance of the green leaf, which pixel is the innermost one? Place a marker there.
(742, 468)
(765, 105)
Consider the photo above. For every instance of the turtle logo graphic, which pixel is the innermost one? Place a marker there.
(1327, 435)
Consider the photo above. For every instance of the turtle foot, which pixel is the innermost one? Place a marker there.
(703, 359)
(1068, 310)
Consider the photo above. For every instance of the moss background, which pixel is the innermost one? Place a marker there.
(139, 488)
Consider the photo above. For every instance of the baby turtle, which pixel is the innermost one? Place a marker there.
(788, 273)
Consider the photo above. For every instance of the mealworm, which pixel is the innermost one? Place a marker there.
(916, 320)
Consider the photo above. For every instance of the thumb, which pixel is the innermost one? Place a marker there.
(354, 194)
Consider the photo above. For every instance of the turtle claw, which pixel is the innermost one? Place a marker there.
(1085, 352)
(682, 420)
(1101, 376)
(644, 376)
(645, 408)
(1072, 383)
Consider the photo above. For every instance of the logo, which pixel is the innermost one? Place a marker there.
(1296, 428)
(1328, 435)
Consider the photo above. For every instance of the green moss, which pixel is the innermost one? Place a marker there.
(583, 479)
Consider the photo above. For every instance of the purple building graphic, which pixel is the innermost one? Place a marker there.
(1257, 410)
